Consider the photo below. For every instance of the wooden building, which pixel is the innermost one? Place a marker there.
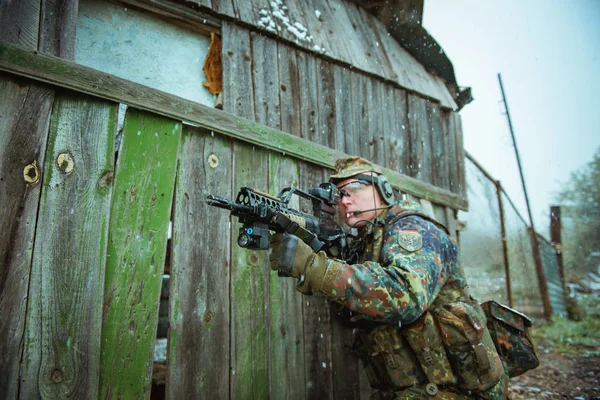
(112, 136)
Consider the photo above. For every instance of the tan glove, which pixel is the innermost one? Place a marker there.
(290, 256)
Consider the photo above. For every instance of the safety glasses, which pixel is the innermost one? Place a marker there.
(351, 188)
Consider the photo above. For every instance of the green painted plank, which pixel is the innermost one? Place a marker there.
(249, 291)
(62, 345)
(141, 209)
(199, 293)
(286, 335)
(53, 70)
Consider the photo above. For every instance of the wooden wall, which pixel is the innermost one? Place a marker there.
(85, 228)
(286, 88)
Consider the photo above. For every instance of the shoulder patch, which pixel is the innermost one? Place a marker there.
(410, 240)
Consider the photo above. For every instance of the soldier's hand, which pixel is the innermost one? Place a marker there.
(290, 256)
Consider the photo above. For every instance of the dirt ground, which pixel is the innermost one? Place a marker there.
(573, 375)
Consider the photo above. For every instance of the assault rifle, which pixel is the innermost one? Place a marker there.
(260, 213)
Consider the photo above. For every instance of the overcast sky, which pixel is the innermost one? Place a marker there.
(547, 52)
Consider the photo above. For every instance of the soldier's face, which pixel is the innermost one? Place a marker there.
(358, 196)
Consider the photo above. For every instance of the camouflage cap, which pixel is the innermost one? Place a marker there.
(351, 166)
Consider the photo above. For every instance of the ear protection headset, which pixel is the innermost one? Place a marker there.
(384, 187)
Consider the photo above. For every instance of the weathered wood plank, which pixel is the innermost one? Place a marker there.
(244, 10)
(286, 323)
(140, 215)
(377, 63)
(200, 271)
(63, 73)
(223, 7)
(402, 146)
(249, 270)
(57, 28)
(450, 152)
(19, 22)
(439, 166)
(265, 74)
(289, 93)
(461, 180)
(394, 129)
(307, 77)
(343, 107)
(317, 321)
(249, 290)
(326, 117)
(237, 75)
(319, 29)
(356, 138)
(24, 118)
(420, 142)
(64, 313)
(375, 122)
(340, 27)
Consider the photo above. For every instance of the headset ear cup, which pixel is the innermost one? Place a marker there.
(385, 189)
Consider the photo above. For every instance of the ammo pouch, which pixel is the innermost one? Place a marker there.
(449, 345)
(469, 346)
(510, 332)
(388, 360)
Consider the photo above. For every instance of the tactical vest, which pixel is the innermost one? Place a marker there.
(449, 346)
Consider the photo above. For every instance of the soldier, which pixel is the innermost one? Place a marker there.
(420, 335)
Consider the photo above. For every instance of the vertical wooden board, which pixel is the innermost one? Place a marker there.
(456, 127)
(343, 107)
(308, 97)
(286, 327)
(265, 74)
(224, 7)
(420, 144)
(249, 270)
(57, 28)
(64, 313)
(200, 271)
(24, 118)
(326, 117)
(438, 161)
(315, 17)
(244, 10)
(237, 76)
(372, 53)
(289, 93)
(450, 153)
(249, 290)
(317, 320)
(338, 29)
(395, 129)
(140, 215)
(19, 22)
(375, 121)
(356, 140)
(295, 22)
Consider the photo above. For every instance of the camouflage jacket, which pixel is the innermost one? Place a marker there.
(405, 262)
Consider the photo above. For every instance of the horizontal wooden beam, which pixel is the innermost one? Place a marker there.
(66, 74)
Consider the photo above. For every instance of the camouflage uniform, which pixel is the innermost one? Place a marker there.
(407, 262)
